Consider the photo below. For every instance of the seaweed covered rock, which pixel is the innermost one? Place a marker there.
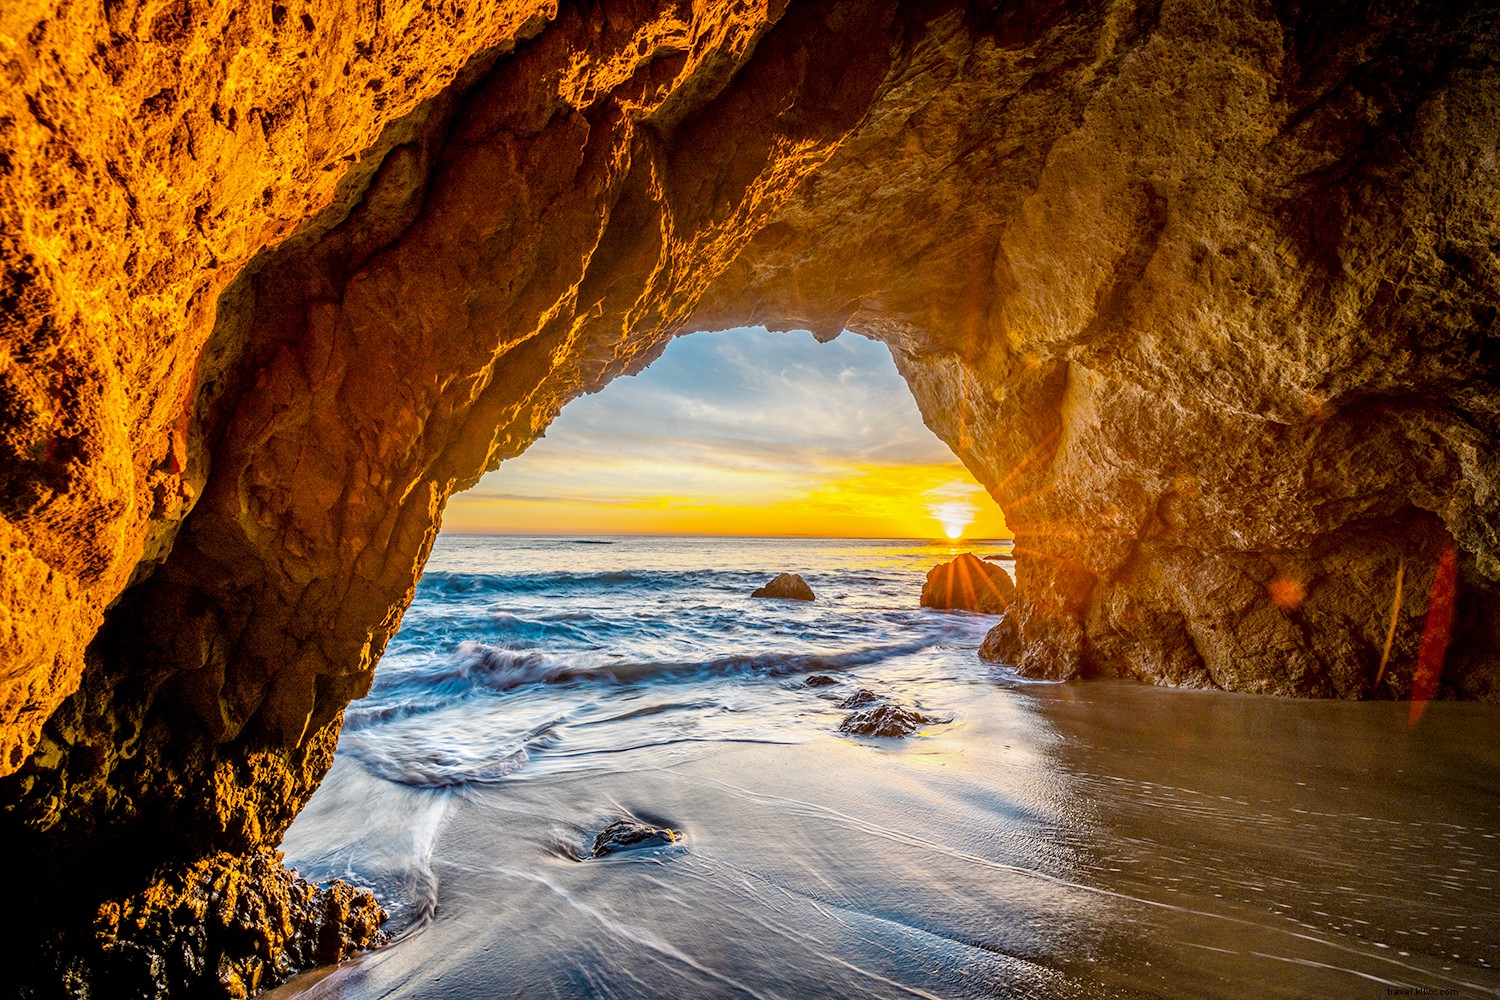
(223, 927)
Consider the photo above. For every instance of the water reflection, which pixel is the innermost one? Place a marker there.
(1302, 846)
(1089, 840)
(1079, 840)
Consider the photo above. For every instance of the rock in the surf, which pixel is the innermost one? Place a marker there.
(787, 586)
(885, 719)
(625, 834)
(968, 583)
(863, 698)
(819, 680)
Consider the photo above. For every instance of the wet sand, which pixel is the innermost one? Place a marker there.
(1083, 840)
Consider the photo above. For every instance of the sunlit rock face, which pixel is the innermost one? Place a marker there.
(1205, 295)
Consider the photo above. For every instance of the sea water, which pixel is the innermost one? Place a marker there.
(1096, 839)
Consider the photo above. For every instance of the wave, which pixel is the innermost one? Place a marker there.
(768, 664)
(455, 584)
(411, 688)
(545, 626)
(450, 584)
(415, 762)
(501, 669)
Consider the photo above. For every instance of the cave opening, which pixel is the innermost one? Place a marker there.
(739, 432)
(576, 593)
(1204, 296)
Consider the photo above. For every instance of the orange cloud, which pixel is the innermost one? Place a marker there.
(740, 433)
(871, 501)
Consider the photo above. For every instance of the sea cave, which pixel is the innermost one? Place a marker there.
(1204, 296)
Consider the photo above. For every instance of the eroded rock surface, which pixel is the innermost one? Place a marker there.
(886, 719)
(223, 927)
(863, 698)
(968, 583)
(1205, 295)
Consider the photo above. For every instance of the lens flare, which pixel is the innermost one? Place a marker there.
(1435, 632)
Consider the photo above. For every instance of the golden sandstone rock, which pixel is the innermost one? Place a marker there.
(968, 583)
(1204, 294)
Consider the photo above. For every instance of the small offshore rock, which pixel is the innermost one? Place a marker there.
(624, 834)
(819, 680)
(863, 698)
(787, 586)
(968, 583)
(885, 719)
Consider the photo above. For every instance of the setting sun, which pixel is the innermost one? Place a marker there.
(742, 432)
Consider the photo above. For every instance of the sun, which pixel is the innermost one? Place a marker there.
(953, 530)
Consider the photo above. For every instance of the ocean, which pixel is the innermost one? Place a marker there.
(1098, 839)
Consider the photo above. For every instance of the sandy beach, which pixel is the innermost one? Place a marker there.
(1102, 839)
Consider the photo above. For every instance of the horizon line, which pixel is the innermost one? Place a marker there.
(709, 534)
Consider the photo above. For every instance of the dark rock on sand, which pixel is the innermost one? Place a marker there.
(886, 719)
(819, 680)
(968, 583)
(624, 834)
(788, 586)
(863, 698)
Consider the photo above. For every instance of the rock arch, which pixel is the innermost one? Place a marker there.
(1206, 298)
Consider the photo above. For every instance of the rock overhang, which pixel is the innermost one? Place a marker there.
(1206, 299)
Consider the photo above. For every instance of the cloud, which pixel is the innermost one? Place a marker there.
(741, 422)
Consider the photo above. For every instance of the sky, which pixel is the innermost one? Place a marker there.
(741, 432)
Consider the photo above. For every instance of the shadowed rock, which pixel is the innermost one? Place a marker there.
(1033, 644)
(819, 680)
(862, 698)
(968, 583)
(625, 834)
(245, 919)
(786, 586)
(887, 719)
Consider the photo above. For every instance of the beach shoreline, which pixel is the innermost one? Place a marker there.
(1102, 838)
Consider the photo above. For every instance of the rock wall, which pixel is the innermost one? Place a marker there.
(1204, 294)
(1219, 333)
